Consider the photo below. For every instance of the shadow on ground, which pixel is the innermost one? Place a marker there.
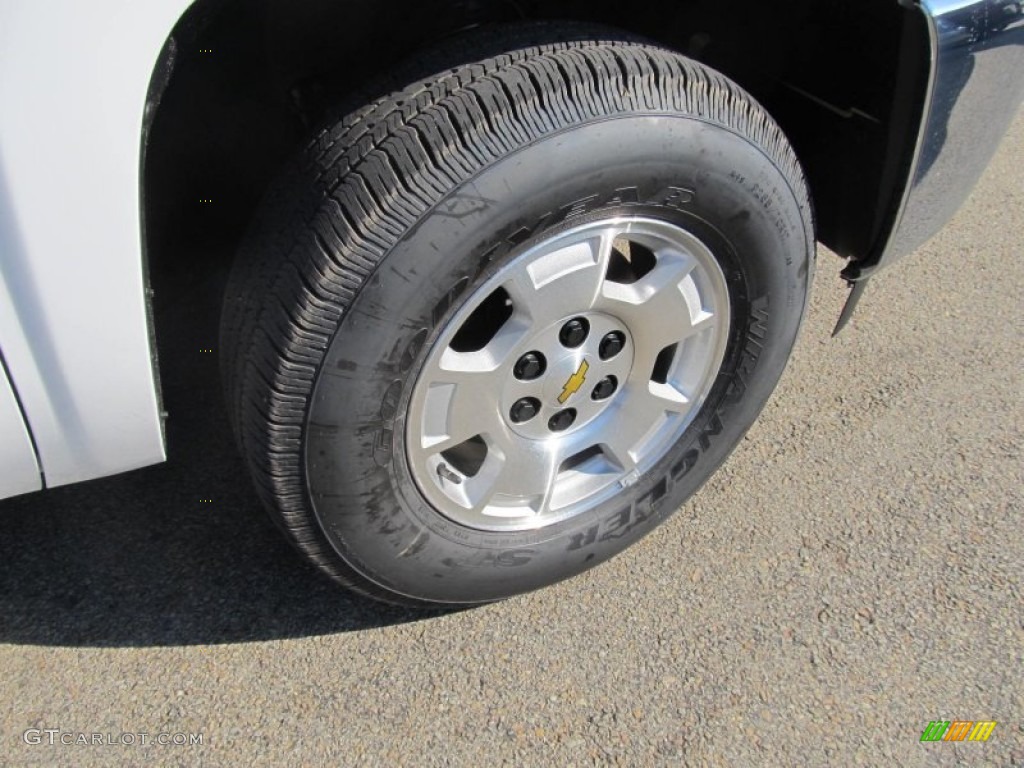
(140, 559)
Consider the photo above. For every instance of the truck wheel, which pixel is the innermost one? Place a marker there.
(494, 327)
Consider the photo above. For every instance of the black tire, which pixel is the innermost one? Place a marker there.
(395, 212)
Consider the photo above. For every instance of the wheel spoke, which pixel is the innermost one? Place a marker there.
(569, 277)
(664, 307)
(639, 414)
(522, 479)
(460, 402)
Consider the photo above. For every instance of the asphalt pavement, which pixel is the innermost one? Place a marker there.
(853, 573)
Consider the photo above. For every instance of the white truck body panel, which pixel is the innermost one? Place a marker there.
(73, 329)
(19, 472)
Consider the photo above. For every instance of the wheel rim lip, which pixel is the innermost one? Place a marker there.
(714, 290)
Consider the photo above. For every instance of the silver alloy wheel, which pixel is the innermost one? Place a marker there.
(568, 374)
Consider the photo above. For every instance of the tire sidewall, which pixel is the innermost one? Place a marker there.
(699, 175)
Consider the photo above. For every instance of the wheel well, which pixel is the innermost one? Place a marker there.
(845, 81)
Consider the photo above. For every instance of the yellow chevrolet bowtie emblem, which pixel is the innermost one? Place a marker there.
(572, 386)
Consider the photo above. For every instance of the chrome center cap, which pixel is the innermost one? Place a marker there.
(569, 379)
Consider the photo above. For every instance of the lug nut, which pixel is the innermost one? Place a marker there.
(604, 388)
(562, 420)
(529, 366)
(574, 332)
(524, 409)
(611, 345)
